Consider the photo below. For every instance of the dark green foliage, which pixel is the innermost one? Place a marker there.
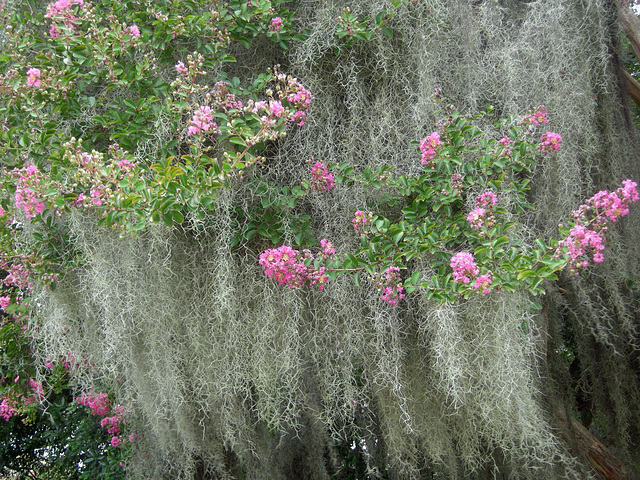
(61, 441)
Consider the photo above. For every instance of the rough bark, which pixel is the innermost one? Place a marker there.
(633, 87)
(631, 24)
(599, 457)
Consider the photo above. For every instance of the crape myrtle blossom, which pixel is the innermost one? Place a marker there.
(321, 178)
(537, 117)
(549, 142)
(37, 389)
(281, 264)
(484, 282)
(506, 143)
(465, 270)
(134, 31)
(180, 68)
(202, 121)
(482, 215)
(61, 7)
(328, 252)
(99, 405)
(223, 98)
(428, 147)
(464, 267)
(97, 402)
(62, 10)
(359, 220)
(113, 423)
(390, 284)
(276, 108)
(28, 191)
(33, 77)
(7, 409)
(487, 199)
(276, 24)
(615, 204)
(300, 99)
(456, 183)
(476, 218)
(17, 276)
(4, 303)
(288, 107)
(587, 235)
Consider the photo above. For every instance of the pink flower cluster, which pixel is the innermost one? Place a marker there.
(476, 218)
(464, 268)
(134, 31)
(275, 108)
(97, 402)
(321, 178)
(549, 142)
(37, 388)
(587, 235)
(506, 143)
(456, 183)
(289, 107)
(276, 24)
(300, 98)
(482, 215)
(428, 147)
(615, 204)
(359, 220)
(28, 190)
(579, 241)
(4, 303)
(281, 265)
(484, 282)
(202, 121)
(7, 409)
(328, 252)
(487, 200)
(99, 179)
(33, 77)
(112, 424)
(226, 100)
(18, 275)
(180, 68)
(391, 285)
(539, 116)
(62, 8)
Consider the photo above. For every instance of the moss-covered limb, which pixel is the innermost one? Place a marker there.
(633, 87)
(605, 463)
(631, 24)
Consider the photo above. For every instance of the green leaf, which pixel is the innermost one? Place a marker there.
(413, 280)
(167, 219)
(526, 274)
(177, 216)
(398, 236)
(501, 240)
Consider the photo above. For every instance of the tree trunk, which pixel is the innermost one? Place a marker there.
(601, 460)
